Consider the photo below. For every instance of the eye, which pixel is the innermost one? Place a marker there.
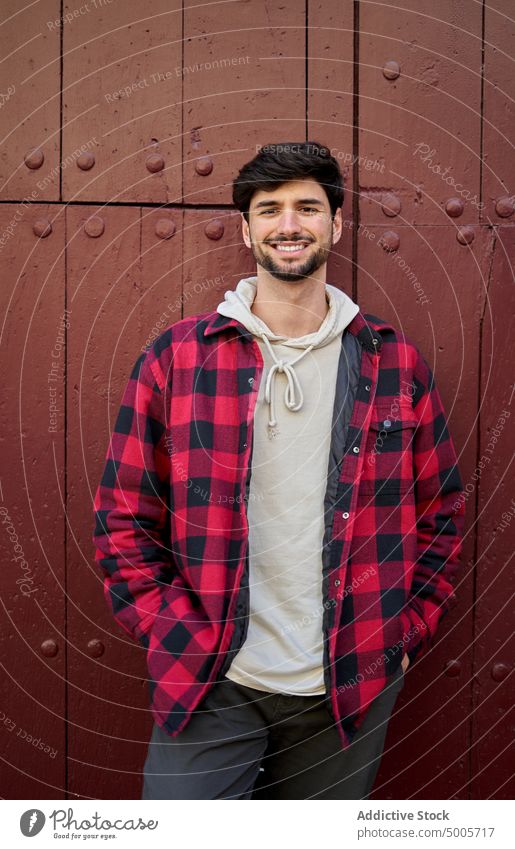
(309, 209)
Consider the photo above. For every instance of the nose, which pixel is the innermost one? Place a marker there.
(289, 222)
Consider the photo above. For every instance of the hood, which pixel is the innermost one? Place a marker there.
(237, 304)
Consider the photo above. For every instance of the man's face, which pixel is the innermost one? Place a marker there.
(290, 230)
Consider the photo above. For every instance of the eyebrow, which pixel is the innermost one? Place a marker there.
(277, 203)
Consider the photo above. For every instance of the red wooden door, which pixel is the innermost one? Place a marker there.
(122, 134)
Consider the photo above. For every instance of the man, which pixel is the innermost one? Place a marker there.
(278, 522)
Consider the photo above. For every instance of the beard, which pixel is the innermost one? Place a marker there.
(291, 270)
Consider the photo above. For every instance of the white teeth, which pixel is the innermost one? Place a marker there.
(289, 248)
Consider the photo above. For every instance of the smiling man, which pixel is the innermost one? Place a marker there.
(308, 230)
(279, 521)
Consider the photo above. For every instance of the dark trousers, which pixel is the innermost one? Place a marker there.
(243, 743)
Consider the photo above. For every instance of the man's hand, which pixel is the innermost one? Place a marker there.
(405, 662)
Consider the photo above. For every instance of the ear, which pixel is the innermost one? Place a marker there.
(337, 225)
(245, 231)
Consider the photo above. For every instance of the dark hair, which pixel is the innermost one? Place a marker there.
(279, 163)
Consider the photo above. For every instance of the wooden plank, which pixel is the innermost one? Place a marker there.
(32, 487)
(122, 102)
(433, 289)
(29, 101)
(243, 85)
(420, 108)
(161, 262)
(499, 113)
(215, 258)
(107, 691)
(330, 52)
(494, 647)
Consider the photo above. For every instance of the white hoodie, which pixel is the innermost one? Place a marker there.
(283, 651)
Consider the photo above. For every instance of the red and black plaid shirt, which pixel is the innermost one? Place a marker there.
(171, 531)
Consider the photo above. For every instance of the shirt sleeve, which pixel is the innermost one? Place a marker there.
(131, 507)
(440, 512)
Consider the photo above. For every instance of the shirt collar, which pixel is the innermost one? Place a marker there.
(368, 332)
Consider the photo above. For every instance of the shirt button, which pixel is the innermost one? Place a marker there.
(387, 423)
(356, 449)
(337, 582)
(367, 387)
(251, 380)
(244, 444)
(345, 515)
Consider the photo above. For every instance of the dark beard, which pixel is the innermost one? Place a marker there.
(300, 272)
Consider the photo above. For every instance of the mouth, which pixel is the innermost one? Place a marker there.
(286, 249)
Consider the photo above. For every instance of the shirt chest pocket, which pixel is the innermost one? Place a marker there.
(389, 451)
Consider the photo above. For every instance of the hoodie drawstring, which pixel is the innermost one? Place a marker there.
(293, 382)
(238, 305)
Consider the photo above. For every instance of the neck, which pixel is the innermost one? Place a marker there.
(291, 309)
